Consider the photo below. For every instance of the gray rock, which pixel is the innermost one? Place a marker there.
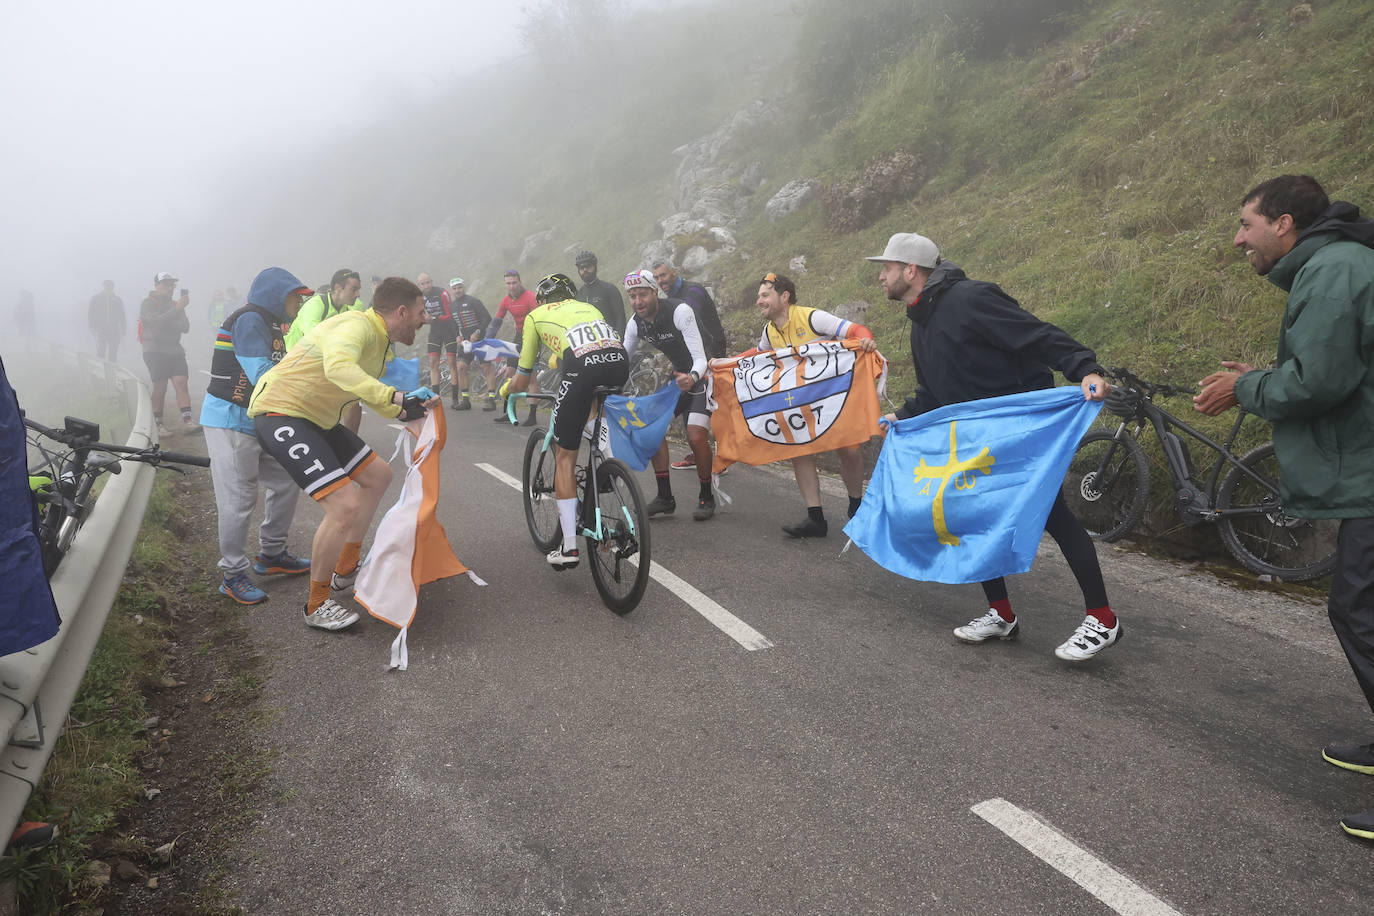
(658, 249)
(535, 245)
(725, 237)
(681, 224)
(789, 198)
(696, 259)
(752, 177)
(798, 265)
(856, 311)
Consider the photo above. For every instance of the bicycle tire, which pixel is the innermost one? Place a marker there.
(536, 488)
(1272, 542)
(1107, 484)
(620, 559)
(477, 379)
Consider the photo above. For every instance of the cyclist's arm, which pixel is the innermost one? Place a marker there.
(529, 347)
(341, 356)
(483, 316)
(501, 311)
(685, 320)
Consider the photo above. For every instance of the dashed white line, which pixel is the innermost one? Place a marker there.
(722, 619)
(1071, 860)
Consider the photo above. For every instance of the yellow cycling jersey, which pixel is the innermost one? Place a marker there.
(336, 363)
(804, 324)
(571, 325)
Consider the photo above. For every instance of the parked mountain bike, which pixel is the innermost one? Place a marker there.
(62, 479)
(611, 516)
(1108, 484)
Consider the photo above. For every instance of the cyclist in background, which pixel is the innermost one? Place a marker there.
(472, 318)
(517, 303)
(443, 332)
(671, 326)
(599, 293)
(591, 355)
(342, 296)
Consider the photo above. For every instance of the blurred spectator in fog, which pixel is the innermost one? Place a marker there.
(217, 310)
(106, 321)
(25, 317)
(232, 301)
(161, 322)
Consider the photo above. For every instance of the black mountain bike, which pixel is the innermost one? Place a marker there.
(63, 478)
(1109, 479)
(611, 517)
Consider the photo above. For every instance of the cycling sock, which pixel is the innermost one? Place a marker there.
(705, 488)
(186, 415)
(348, 559)
(1104, 616)
(567, 514)
(1003, 608)
(665, 488)
(854, 504)
(319, 594)
(815, 513)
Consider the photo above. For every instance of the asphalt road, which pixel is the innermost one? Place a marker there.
(542, 755)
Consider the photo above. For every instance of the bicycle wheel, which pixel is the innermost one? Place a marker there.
(1107, 483)
(620, 559)
(477, 379)
(541, 508)
(1269, 541)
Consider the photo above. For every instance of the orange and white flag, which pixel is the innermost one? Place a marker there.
(781, 404)
(410, 548)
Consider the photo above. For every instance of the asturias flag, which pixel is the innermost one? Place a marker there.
(636, 426)
(961, 494)
(782, 404)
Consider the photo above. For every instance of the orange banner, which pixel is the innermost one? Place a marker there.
(782, 404)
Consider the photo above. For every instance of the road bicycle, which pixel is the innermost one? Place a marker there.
(62, 480)
(1108, 484)
(648, 373)
(611, 520)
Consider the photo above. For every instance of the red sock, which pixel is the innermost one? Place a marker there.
(1003, 609)
(1104, 616)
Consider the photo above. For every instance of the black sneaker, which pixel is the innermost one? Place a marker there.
(1360, 825)
(662, 505)
(1357, 757)
(706, 507)
(807, 528)
(489, 406)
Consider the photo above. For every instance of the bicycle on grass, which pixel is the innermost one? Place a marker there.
(611, 516)
(1108, 483)
(62, 480)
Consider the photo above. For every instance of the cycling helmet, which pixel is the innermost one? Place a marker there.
(584, 258)
(554, 288)
(640, 279)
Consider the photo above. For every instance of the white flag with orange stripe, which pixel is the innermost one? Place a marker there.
(410, 548)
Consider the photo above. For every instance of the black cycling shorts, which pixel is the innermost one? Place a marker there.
(443, 335)
(573, 404)
(692, 403)
(320, 461)
(165, 366)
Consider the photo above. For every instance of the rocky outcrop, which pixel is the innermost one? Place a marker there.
(859, 201)
(790, 198)
(535, 245)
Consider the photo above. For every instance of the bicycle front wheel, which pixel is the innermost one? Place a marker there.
(620, 557)
(1267, 540)
(536, 479)
(1107, 483)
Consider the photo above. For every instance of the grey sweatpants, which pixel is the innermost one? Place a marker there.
(237, 464)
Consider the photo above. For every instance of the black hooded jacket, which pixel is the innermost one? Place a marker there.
(970, 340)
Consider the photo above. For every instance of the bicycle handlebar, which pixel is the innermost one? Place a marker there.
(152, 454)
(1150, 388)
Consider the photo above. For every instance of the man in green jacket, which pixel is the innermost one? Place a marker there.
(1320, 398)
(342, 296)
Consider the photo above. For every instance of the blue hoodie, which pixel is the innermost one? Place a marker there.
(252, 342)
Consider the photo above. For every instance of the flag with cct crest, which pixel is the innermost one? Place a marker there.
(781, 404)
(961, 494)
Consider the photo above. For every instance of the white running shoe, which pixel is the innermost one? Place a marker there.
(559, 558)
(1090, 638)
(342, 586)
(331, 616)
(989, 626)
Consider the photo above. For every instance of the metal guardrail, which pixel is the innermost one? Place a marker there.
(37, 686)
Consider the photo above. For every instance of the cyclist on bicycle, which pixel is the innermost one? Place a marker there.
(591, 355)
(518, 303)
(443, 332)
(671, 326)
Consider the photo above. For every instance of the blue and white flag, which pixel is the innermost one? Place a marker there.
(636, 426)
(402, 374)
(491, 348)
(961, 494)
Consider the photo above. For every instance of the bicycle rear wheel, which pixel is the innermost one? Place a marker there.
(536, 479)
(1268, 541)
(1107, 484)
(620, 559)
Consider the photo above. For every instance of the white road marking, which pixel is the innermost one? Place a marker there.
(722, 619)
(1071, 860)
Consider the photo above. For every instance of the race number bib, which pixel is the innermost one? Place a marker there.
(590, 336)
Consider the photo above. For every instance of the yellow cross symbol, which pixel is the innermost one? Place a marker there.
(944, 473)
(634, 417)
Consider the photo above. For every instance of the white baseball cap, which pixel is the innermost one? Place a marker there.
(910, 248)
(164, 277)
(640, 279)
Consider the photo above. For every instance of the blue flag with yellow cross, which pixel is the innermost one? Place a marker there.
(961, 494)
(636, 426)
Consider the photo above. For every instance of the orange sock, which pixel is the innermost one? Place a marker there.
(319, 594)
(348, 560)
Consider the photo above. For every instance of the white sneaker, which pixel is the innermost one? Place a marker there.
(989, 626)
(1090, 638)
(342, 586)
(331, 616)
(563, 559)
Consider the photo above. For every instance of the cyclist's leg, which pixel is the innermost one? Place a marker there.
(433, 349)
(460, 376)
(808, 479)
(353, 417)
(570, 409)
(1081, 555)
(852, 473)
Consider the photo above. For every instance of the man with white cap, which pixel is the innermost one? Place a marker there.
(970, 340)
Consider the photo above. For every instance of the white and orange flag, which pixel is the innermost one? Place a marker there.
(410, 548)
(781, 404)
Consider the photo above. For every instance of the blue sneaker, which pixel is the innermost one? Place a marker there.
(283, 564)
(242, 590)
